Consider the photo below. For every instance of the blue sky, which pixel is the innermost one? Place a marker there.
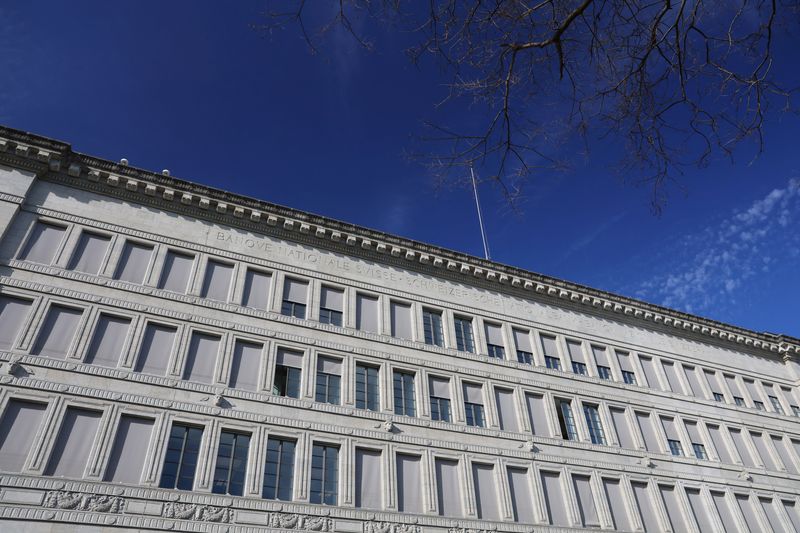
(190, 87)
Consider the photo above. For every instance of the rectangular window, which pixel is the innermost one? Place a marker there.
(749, 513)
(331, 306)
(180, 461)
(783, 447)
(720, 446)
(156, 350)
(673, 438)
(733, 386)
(672, 376)
(771, 512)
(506, 409)
(440, 399)
(522, 339)
(294, 298)
(649, 368)
(739, 401)
(57, 332)
(108, 341)
(473, 405)
(552, 362)
(554, 500)
(448, 489)
(794, 516)
(404, 401)
(626, 366)
(537, 414)
(796, 410)
(494, 341)
(231, 466)
(762, 447)
(18, 428)
(624, 435)
(133, 262)
(129, 452)
(486, 491)
(89, 253)
(604, 372)
(725, 511)
(521, 495)
(43, 243)
(324, 474)
(776, 404)
(575, 350)
(201, 359)
(367, 387)
(70, 454)
(718, 397)
(256, 289)
(432, 326)
(566, 420)
(279, 470)
(13, 314)
(759, 405)
(674, 513)
(601, 360)
(464, 339)
(694, 383)
(217, 281)
(246, 366)
(714, 385)
(367, 313)
(647, 510)
(329, 380)
(699, 511)
(369, 479)
(586, 505)
(698, 447)
(176, 271)
(616, 503)
(592, 415)
(741, 447)
(675, 447)
(648, 433)
(409, 481)
(288, 369)
(550, 351)
(579, 368)
(401, 320)
(629, 377)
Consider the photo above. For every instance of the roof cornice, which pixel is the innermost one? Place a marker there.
(56, 160)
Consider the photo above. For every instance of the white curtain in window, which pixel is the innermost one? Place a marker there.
(409, 483)
(245, 366)
(128, 454)
(217, 281)
(647, 510)
(784, 452)
(295, 290)
(21, 421)
(794, 516)
(699, 510)
(57, 332)
(367, 313)
(89, 253)
(733, 385)
(329, 365)
(290, 358)
(650, 372)
(133, 262)
(256, 289)
(523, 340)
(616, 503)
(741, 447)
(648, 432)
(201, 358)
(485, 492)
(575, 352)
(74, 443)
(521, 496)
(673, 507)
(448, 488)
(760, 441)
(554, 499)
(586, 505)
(537, 414)
(549, 346)
(13, 313)
(156, 349)
(672, 376)
(694, 382)
(440, 387)
(624, 359)
(473, 393)
(43, 243)
(506, 410)
(401, 320)
(332, 299)
(719, 444)
(108, 340)
(725, 512)
(749, 512)
(494, 334)
(176, 271)
(670, 429)
(768, 505)
(600, 355)
(369, 479)
(624, 436)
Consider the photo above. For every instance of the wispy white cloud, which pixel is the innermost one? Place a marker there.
(710, 269)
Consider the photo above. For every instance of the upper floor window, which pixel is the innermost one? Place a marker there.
(524, 350)
(256, 289)
(579, 368)
(176, 272)
(288, 369)
(133, 262)
(432, 325)
(217, 282)
(324, 474)
(550, 350)
(575, 350)
(404, 401)
(43, 243)
(367, 313)
(718, 397)
(89, 253)
(604, 372)
(776, 404)
(181, 458)
(294, 298)
(494, 341)
(400, 315)
(329, 380)
(440, 399)
(331, 306)
(739, 401)
(473, 405)
(626, 366)
(279, 470)
(629, 377)
(464, 339)
(675, 447)
(367, 387)
(552, 362)
(592, 416)
(566, 420)
(231, 467)
(759, 405)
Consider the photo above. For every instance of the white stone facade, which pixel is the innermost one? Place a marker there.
(145, 320)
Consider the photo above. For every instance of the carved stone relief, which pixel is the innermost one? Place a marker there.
(78, 501)
(194, 511)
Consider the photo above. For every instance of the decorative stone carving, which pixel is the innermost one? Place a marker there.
(389, 527)
(466, 530)
(194, 511)
(301, 522)
(79, 501)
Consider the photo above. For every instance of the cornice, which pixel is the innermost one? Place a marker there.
(54, 160)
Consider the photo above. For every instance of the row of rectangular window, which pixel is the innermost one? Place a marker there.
(136, 258)
(69, 458)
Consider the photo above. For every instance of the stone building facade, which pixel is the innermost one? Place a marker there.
(177, 357)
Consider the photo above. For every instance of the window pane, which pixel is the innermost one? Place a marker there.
(21, 421)
(57, 332)
(369, 479)
(43, 243)
(108, 341)
(409, 481)
(367, 313)
(256, 289)
(129, 451)
(75, 437)
(231, 465)
(245, 366)
(156, 350)
(133, 262)
(13, 313)
(176, 271)
(401, 320)
(217, 281)
(201, 358)
(180, 461)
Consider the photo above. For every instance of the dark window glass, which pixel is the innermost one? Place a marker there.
(759, 405)
(566, 420)
(596, 433)
(474, 414)
(738, 400)
(776, 404)
(464, 339)
(432, 324)
(604, 372)
(629, 377)
(440, 409)
(579, 368)
(552, 362)
(525, 357)
(180, 460)
(231, 467)
(278, 470)
(328, 388)
(404, 400)
(498, 352)
(293, 309)
(699, 451)
(675, 447)
(718, 397)
(324, 474)
(367, 388)
(287, 381)
(329, 316)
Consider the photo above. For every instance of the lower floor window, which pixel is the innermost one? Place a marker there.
(180, 461)
(324, 474)
(229, 474)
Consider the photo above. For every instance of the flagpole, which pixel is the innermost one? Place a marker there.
(480, 215)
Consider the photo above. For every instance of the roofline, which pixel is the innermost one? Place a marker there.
(56, 159)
